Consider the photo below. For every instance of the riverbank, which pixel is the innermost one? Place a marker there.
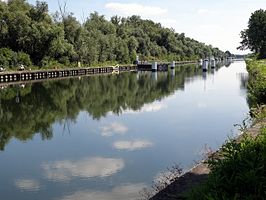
(72, 66)
(25, 76)
(257, 82)
(236, 170)
(29, 75)
(198, 176)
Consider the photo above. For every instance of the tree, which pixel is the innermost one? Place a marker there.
(61, 38)
(228, 54)
(254, 37)
(39, 12)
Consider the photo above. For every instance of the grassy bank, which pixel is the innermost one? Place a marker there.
(257, 82)
(238, 169)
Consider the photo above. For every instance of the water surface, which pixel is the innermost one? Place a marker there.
(108, 137)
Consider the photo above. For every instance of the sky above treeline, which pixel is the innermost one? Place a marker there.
(215, 22)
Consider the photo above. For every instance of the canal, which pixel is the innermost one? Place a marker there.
(108, 137)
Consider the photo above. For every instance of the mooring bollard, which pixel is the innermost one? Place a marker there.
(154, 66)
(173, 65)
(200, 62)
(213, 64)
(205, 65)
(137, 59)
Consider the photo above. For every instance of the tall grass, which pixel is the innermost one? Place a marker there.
(257, 82)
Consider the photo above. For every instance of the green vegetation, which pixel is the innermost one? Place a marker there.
(237, 172)
(60, 40)
(254, 37)
(257, 82)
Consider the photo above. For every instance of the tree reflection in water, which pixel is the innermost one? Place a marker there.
(42, 104)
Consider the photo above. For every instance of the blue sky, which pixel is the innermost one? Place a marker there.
(210, 21)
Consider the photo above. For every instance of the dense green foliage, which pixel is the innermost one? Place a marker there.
(254, 37)
(257, 82)
(238, 172)
(60, 38)
(35, 108)
(13, 59)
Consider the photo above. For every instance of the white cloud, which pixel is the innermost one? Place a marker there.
(207, 12)
(128, 9)
(213, 34)
(27, 184)
(203, 11)
(155, 13)
(85, 168)
(125, 192)
(168, 22)
(211, 27)
(113, 128)
(132, 145)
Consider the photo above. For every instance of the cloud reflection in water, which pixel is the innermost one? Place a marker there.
(27, 185)
(153, 107)
(113, 128)
(132, 145)
(125, 192)
(146, 108)
(86, 168)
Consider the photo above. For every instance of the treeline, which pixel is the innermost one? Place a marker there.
(30, 36)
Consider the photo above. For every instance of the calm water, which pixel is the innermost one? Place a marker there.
(108, 137)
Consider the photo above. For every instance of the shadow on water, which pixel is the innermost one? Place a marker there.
(176, 190)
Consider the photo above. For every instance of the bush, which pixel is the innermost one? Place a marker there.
(257, 82)
(9, 58)
(23, 58)
(6, 57)
(49, 63)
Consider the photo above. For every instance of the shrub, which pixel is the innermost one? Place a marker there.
(23, 58)
(9, 58)
(256, 83)
(6, 57)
